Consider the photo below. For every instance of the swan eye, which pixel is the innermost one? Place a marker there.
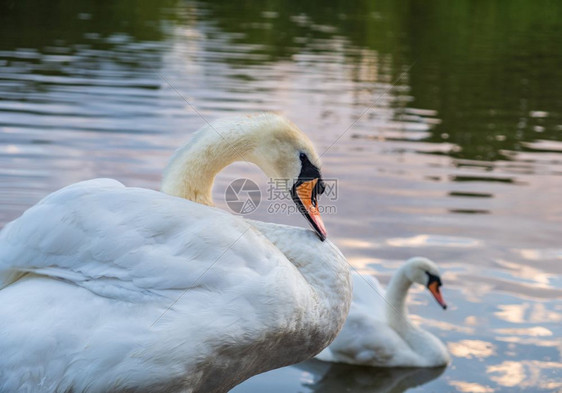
(433, 278)
(309, 172)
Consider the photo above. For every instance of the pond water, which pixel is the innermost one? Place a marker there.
(439, 125)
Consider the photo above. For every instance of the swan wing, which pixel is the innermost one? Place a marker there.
(102, 232)
(101, 285)
(367, 341)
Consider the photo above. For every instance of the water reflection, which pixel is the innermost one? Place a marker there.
(471, 387)
(527, 374)
(320, 377)
(472, 349)
(502, 104)
(527, 312)
(427, 241)
(334, 378)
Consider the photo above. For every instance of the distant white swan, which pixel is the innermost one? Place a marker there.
(105, 288)
(378, 331)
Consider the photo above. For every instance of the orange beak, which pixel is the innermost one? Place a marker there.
(304, 196)
(434, 289)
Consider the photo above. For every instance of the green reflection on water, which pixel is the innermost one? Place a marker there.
(491, 70)
(36, 24)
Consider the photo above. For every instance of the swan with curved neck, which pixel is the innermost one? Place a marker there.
(109, 288)
(378, 331)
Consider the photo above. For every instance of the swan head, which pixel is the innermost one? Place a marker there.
(425, 272)
(285, 153)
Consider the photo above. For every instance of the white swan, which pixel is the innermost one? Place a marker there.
(106, 288)
(378, 331)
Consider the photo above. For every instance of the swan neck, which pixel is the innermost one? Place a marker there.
(396, 294)
(430, 350)
(191, 172)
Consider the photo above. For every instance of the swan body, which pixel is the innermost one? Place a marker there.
(107, 288)
(378, 331)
